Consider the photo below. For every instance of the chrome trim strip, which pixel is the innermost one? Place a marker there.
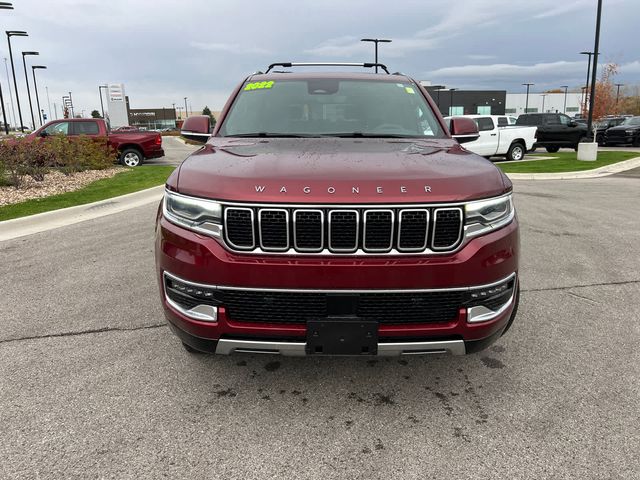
(295, 240)
(253, 229)
(338, 206)
(194, 134)
(364, 231)
(453, 347)
(297, 349)
(228, 346)
(481, 313)
(286, 217)
(314, 290)
(357, 237)
(426, 230)
(452, 246)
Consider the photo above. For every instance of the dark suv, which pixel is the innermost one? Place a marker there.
(335, 213)
(628, 132)
(555, 130)
(605, 124)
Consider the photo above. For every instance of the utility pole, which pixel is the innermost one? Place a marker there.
(526, 104)
(595, 68)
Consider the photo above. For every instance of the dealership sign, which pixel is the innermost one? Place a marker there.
(116, 92)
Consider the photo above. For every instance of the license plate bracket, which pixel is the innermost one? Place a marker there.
(342, 335)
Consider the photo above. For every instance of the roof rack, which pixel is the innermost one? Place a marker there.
(327, 64)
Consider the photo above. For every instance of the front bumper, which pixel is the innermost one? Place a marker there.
(202, 260)
(620, 140)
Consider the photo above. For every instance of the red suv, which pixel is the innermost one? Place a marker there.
(335, 214)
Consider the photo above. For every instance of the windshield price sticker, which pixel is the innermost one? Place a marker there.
(259, 85)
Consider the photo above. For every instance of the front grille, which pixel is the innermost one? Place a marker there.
(343, 231)
(299, 307)
(616, 133)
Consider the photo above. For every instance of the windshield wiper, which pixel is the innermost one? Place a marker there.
(273, 135)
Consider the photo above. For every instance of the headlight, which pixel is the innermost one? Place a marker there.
(629, 132)
(486, 215)
(204, 216)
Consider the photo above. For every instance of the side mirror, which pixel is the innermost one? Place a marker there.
(463, 129)
(43, 134)
(197, 128)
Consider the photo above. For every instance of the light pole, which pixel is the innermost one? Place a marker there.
(437, 89)
(15, 33)
(618, 85)
(13, 110)
(35, 86)
(526, 103)
(376, 41)
(543, 97)
(186, 112)
(586, 85)
(451, 90)
(100, 87)
(26, 77)
(566, 87)
(49, 101)
(5, 6)
(596, 47)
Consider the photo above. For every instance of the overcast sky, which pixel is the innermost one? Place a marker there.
(165, 50)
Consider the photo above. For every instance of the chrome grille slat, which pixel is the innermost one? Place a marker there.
(326, 230)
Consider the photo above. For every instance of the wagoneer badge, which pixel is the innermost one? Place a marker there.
(331, 190)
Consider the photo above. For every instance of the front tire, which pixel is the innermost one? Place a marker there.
(131, 157)
(191, 350)
(516, 152)
(552, 149)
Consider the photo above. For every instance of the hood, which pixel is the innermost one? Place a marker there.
(338, 170)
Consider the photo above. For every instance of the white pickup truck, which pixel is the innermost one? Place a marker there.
(498, 138)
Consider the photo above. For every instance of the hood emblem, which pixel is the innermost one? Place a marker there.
(355, 190)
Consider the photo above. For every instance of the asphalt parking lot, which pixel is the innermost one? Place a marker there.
(94, 385)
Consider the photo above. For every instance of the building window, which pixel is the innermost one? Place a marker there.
(484, 110)
(509, 110)
(531, 110)
(456, 111)
(572, 109)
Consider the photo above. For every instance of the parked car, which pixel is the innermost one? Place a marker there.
(604, 124)
(497, 138)
(126, 128)
(132, 147)
(628, 132)
(555, 130)
(335, 213)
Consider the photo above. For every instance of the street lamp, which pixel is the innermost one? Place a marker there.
(586, 87)
(100, 87)
(15, 33)
(26, 77)
(596, 47)
(376, 41)
(566, 87)
(618, 85)
(5, 6)
(526, 103)
(35, 86)
(186, 112)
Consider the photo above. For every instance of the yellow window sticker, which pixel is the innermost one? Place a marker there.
(409, 90)
(259, 85)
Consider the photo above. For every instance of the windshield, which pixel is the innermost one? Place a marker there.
(632, 121)
(331, 107)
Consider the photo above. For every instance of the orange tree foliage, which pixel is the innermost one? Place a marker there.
(605, 97)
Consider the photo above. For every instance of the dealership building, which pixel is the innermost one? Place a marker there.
(151, 118)
(452, 101)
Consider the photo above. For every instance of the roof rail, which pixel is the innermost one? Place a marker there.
(327, 64)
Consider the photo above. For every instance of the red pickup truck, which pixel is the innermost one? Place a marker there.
(335, 213)
(132, 147)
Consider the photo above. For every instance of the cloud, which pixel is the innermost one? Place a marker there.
(509, 71)
(229, 48)
(481, 57)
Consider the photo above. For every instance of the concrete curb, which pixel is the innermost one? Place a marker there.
(595, 173)
(20, 227)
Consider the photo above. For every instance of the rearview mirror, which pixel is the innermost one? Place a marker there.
(463, 129)
(197, 128)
